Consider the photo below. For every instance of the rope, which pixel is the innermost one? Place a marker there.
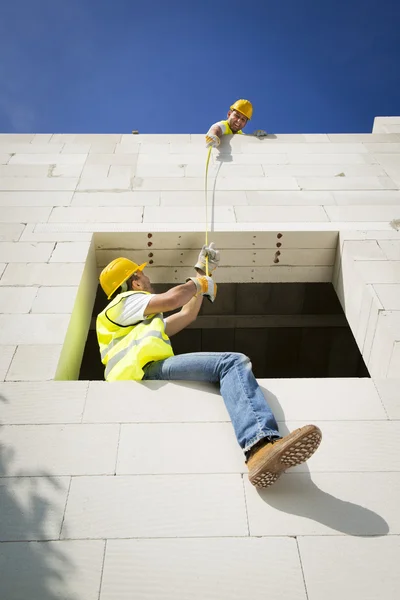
(206, 202)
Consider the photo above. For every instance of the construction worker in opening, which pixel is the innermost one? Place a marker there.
(134, 340)
(238, 116)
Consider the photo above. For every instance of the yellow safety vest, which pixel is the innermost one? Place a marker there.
(125, 350)
(228, 129)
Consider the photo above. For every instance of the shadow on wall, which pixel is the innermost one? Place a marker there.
(224, 151)
(296, 494)
(28, 568)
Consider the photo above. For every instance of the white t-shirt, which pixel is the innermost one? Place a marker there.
(132, 308)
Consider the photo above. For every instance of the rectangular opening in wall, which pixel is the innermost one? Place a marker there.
(288, 330)
(276, 302)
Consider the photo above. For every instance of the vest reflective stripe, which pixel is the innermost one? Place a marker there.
(126, 350)
(228, 130)
(107, 349)
(116, 341)
(117, 357)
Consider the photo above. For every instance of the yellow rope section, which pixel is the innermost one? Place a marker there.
(205, 189)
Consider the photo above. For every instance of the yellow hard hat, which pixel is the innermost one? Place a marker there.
(116, 272)
(243, 106)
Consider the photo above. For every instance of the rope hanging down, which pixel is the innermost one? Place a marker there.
(205, 189)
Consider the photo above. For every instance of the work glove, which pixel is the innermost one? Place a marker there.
(260, 133)
(213, 259)
(205, 286)
(212, 141)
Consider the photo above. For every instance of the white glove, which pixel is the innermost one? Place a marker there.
(213, 141)
(260, 133)
(213, 258)
(205, 286)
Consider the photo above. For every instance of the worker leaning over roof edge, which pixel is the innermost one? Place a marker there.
(239, 114)
(134, 344)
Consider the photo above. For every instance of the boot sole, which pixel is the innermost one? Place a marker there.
(265, 479)
(295, 454)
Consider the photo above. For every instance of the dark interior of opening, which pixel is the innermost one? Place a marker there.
(287, 329)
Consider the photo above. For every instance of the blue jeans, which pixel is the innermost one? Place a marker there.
(251, 417)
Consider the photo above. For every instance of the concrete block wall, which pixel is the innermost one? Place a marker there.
(109, 490)
(67, 200)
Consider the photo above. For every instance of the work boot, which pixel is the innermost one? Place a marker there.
(267, 463)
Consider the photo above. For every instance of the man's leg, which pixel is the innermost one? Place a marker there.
(251, 417)
(268, 455)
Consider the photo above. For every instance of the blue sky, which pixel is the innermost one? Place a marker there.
(169, 66)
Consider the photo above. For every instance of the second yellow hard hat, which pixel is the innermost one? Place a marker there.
(243, 106)
(116, 272)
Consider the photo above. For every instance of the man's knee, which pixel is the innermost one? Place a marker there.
(238, 358)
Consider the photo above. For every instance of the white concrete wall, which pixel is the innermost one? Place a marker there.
(143, 196)
(109, 491)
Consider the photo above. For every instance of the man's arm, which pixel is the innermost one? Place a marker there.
(215, 130)
(213, 136)
(175, 298)
(175, 323)
(188, 313)
(189, 296)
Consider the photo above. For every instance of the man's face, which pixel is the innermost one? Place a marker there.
(236, 120)
(142, 283)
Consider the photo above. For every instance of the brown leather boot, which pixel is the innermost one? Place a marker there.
(268, 463)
